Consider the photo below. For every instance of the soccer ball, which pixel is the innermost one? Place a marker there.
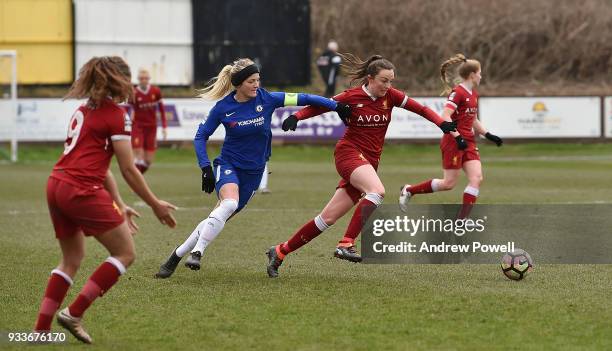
(516, 264)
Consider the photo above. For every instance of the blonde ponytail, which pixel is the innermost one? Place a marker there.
(447, 84)
(221, 85)
(466, 66)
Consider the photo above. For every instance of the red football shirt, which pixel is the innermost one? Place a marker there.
(88, 148)
(145, 104)
(464, 103)
(370, 117)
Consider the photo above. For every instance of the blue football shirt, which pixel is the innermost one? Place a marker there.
(248, 136)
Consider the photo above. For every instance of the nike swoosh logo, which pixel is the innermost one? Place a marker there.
(229, 114)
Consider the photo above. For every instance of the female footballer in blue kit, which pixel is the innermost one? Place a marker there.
(245, 110)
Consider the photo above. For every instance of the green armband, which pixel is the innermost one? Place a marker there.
(291, 99)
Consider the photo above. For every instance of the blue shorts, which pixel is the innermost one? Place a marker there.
(247, 180)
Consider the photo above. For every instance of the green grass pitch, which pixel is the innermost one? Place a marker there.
(318, 303)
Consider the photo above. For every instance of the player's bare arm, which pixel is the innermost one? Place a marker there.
(110, 184)
(479, 128)
(162, 209)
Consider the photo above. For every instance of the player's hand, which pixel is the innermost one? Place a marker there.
(290, 123)
(461, 143)
(163, 212)
(129, 214)
(344, 112)
(494, 138)
(448, 127)
(164, 133)
(208, 179)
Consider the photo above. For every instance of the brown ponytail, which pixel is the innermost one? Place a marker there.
(466, 66)
(359, 70)
(101, 77)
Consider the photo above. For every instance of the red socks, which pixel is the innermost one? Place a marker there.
(313, 228)
(309, 231)
(469, 199)
(99, 283)
(364, 209)
(57, 287)
(422, 188)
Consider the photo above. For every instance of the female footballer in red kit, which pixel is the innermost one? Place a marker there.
(357, 154)
(145, 103)
(460, 153)
(83, 197)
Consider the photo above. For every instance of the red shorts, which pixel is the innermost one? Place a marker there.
(453, 158)
(74, 208)
(144, 137)
(348, 158)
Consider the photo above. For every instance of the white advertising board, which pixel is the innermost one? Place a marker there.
(40, 119)
(538, 117)
(47, 119)
(542, 117)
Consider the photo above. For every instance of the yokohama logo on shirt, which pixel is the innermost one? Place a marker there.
(256, 121)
